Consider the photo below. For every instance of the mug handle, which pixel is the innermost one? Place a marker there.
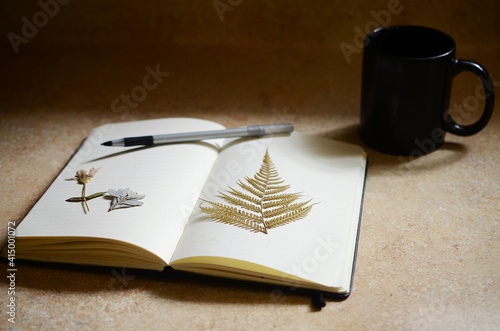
(467, 130)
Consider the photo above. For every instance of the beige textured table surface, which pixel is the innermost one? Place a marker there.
(429, 249)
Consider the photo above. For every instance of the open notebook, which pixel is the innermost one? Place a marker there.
(281, 209)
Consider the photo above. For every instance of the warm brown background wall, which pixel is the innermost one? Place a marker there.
(236, 52)
(254, 23)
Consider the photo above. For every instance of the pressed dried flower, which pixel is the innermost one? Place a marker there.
(84, 178)
(123, 198)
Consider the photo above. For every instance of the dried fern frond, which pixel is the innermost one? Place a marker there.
(284, 209)
(261, 205)
(255, 191)
(289, 217)
(274, 197)
(233, 216)
(241, 202)
(278, 202)
(242, 195)
(271, 190)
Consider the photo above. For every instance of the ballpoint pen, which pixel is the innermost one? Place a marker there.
(249, 131)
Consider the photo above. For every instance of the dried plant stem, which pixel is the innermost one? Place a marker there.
(90, 197)
(84, 194)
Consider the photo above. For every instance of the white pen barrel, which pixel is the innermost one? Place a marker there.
(202, 135)
(252, 131)
(262, 130)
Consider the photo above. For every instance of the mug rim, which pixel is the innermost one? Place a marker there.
(374, 33)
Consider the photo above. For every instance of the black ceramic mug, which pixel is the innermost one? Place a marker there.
(406, 87)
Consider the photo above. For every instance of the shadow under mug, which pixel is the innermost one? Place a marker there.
(406, 87)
